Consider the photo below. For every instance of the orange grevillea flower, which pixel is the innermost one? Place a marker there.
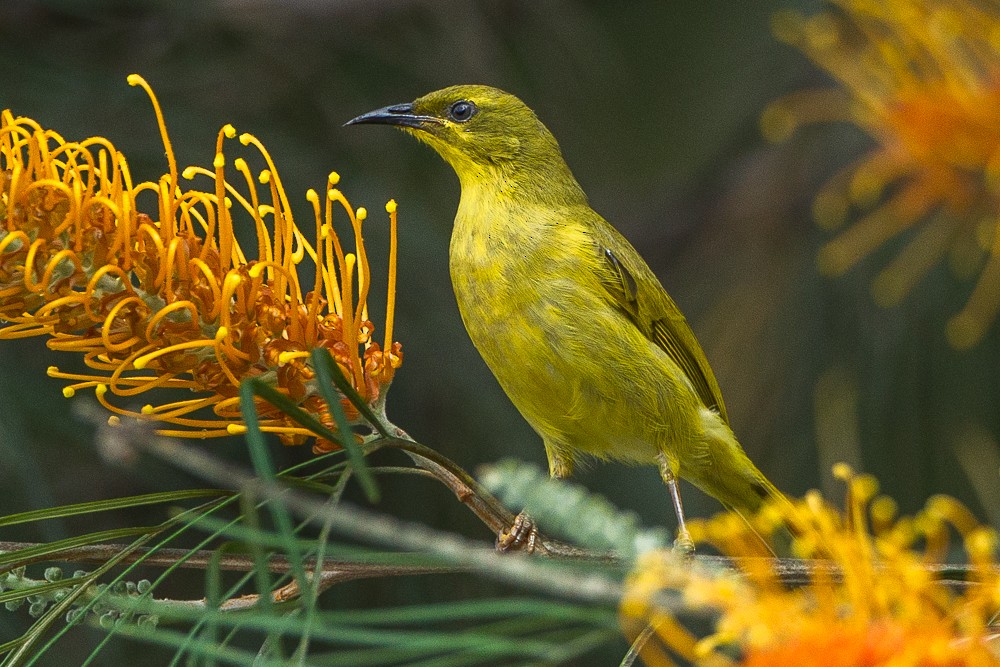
(870, 599)
(148, 282)
(922, 79)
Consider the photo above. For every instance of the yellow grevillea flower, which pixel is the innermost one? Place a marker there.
(167, 298)
(922, 79)
(870, 599)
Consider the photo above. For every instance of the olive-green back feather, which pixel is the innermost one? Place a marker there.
(636, 290)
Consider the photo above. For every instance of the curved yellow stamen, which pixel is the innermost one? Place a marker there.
(143, 361)
(13, 188)
(70, 343)
(287, 356)
(54, 261)
(230, 376)
(213, 284)
(100, 391)
(281, 198)
(229, 287)
(334, 249)
(136, 80)
(137, 385)
(69, 300)
(25, 330)
(226, 232)
(229, 349)
(166, 311)
(259, 268)
(29, 266)
(147, 231)
(126, 228)
(173, 411)
(350, 326)
(91, 288)
(16, 235)
(253, 208)
(56, 184)
(119, 225)
(173, 265)
(109, 320)
(202, 435)
(167, 204)
(241, 429)
(364, 273)
(230, 408)
(390, 302)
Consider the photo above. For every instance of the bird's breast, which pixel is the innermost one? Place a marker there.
(517, 272)
(529, 290)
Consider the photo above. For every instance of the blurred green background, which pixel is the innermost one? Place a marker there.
(656, 106)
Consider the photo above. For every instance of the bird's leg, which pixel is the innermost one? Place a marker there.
(684, 544)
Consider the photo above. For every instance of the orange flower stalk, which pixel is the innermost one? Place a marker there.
(169, 299)
(922, 79)
(871, 600)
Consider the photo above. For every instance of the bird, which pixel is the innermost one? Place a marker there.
(573, 323)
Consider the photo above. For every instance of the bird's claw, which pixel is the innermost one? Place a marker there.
(521, 536)
(684, 545)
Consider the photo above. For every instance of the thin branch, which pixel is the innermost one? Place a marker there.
(470, 493)
(789, 571)
(203, 559)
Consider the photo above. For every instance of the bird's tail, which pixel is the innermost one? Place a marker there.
(733, 479)
(741, 486)
(727, 474)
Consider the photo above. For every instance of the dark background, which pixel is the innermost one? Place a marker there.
(656, 106)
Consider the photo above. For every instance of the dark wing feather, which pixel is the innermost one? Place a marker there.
(635, 289)
(666, 335)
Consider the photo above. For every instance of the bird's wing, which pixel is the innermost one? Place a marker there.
(635, 290)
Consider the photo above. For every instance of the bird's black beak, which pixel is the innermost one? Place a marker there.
(397, 114)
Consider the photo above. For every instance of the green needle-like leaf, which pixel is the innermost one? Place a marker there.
(354, 452)
(40, 551)
(327, 375)
(322, 360)
(110, 504)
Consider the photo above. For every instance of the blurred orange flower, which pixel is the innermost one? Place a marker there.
(922, 79)
(870, 599)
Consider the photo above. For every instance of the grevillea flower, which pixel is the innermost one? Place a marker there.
(148, 282)
(922, 79)
(871, 599)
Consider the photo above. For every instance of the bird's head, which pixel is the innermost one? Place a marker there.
(476, 129)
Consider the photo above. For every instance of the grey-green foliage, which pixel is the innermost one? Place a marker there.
(107, 606)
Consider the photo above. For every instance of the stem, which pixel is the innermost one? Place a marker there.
(470, 493)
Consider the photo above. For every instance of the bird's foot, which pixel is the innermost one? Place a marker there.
(521, 536)
(684, 545)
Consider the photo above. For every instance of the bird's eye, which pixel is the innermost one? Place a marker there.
(462, 110)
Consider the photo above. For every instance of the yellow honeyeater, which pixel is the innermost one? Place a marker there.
(572, 322)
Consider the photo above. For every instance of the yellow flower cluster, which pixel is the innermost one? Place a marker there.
(168, 298)
(872, 598)
(922, 79)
